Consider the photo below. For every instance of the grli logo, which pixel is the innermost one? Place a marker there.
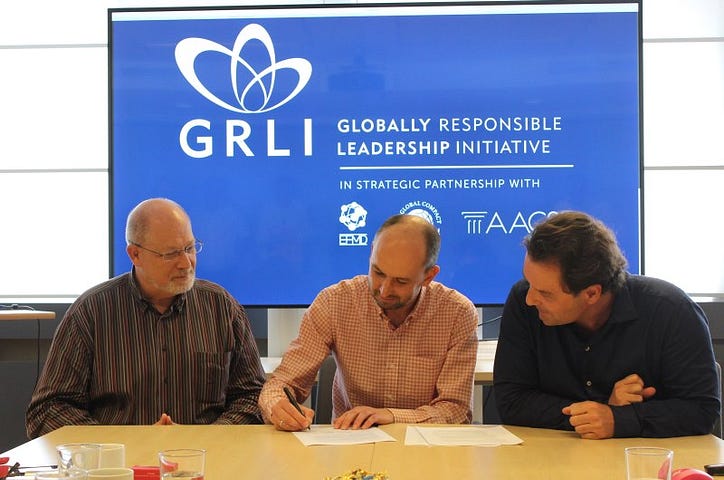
(248, 84)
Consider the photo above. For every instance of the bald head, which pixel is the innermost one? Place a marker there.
(154, 211)
(409, 226)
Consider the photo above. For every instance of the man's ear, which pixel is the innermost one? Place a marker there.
(132, 252)
(593, 293)
(430, 274)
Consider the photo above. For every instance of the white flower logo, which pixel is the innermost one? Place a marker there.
(261, 83)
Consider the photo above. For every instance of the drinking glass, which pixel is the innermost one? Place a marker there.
(82, 456)
(648, 463)
(182, 464)
(113, 455)
(76, 474)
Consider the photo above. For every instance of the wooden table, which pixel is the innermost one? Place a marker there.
(26, 315)
(261, 452)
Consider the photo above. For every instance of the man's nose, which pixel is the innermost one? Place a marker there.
(386, 287)
(184, 260)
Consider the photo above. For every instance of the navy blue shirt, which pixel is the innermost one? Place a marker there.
(655, 330)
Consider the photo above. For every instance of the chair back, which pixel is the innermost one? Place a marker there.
(323, 403)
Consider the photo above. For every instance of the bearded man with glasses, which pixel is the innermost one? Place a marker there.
(155, 345)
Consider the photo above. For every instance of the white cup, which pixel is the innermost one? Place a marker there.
(110, 474)
(648, 463)
(113, 455)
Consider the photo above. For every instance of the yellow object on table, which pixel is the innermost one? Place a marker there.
(360, 474)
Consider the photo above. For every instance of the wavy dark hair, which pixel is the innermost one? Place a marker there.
(583, 247)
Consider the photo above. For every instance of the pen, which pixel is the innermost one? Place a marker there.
(294, 402)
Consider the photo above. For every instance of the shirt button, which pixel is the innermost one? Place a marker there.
(588, 383)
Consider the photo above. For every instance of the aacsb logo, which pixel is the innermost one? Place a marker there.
(483, 222)
(252, 89)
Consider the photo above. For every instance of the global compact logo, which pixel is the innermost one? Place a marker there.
(424, 210)
(252, 84)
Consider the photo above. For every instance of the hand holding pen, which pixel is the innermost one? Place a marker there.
(297, 407)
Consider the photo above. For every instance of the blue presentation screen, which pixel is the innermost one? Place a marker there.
(290, 134)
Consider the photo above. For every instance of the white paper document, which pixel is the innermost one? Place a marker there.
(480, 435)
(328, 435)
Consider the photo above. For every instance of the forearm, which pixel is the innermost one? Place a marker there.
(443, 412)
(49, 413)
(273, 391)
(61, 396)
(246, 378)
(527, 406)
(242, 411)
(665, 418)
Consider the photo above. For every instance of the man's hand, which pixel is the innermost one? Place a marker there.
(164, 420)
(591, 420)
(630, 390)
(363, 417)
(285, 417)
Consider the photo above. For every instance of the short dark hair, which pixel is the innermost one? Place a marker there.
(428, 231)
(583, 247)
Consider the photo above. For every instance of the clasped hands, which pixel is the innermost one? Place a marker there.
(165, 419)
(593, 420)
(285, 417)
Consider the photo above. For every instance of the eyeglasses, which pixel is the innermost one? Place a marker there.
(192, 249)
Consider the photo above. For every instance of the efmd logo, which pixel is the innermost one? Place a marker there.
(254, 86)
(259, 84)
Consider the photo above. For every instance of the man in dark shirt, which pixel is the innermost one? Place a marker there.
(586, 346)
(154, 345)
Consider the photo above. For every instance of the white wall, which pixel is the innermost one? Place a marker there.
(54, 145)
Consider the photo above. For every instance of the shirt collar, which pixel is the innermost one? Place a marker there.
(623, 309)
(413, 312)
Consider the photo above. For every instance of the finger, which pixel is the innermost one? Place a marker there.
(576, 421)
(370, 422)
(295, 416)
(578, 408)
(648, 392)
(360, 419)
(590, 436)
(632, 379)
(343, 421)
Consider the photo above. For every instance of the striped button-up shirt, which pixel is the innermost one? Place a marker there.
(116, 360)
(422, 371)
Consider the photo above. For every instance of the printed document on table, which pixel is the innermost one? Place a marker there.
(480, 435)
(328, 435)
